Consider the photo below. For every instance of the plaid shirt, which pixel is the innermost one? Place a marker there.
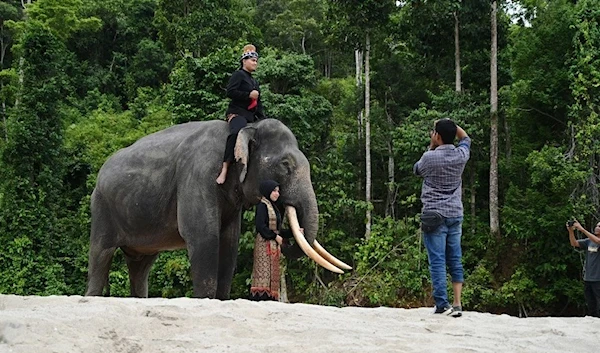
(441, 170)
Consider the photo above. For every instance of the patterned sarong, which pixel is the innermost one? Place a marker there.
(265, 272)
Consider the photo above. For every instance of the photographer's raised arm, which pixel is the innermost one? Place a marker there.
(460, 133)
(572, 239)
(591, 236)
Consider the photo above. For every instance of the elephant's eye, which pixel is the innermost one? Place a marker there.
(286, 166)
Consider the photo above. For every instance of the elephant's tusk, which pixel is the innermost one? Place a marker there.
(327, 256)
(301, 240)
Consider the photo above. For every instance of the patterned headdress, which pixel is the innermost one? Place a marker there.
(249, 52)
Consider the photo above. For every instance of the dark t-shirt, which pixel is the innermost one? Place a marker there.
(592, 260)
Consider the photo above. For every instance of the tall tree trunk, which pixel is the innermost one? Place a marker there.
(494, 216)
(458, 79)
(4, 120)
(458, 89)
(391, 196)
(328, 66)
(507, 138)
(186, 8)
(358, 60)
(3, 47)
(367, 138)
(473, 185)
(593, 195)
(21, 60)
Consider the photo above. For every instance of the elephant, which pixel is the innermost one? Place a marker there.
(160, 194)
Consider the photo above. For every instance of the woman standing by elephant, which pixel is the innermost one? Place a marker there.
(245, 106)
(269, 238)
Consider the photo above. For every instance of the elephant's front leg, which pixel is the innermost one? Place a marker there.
(204, 265)
(228, 252)
(200, 231)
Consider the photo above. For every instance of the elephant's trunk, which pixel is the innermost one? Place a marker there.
(305, 204)
(306, 242)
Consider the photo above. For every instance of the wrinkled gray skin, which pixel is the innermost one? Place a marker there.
(160, 194)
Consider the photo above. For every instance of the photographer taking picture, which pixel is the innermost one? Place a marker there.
(591, 273)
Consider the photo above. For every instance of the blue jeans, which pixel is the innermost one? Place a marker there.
(443, 248)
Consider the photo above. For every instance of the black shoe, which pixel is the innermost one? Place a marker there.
(447, 311)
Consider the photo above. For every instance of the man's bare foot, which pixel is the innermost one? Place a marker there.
(221, 178)
(223, 175)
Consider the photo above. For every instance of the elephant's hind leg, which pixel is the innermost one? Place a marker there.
(102, 246)
(98, 267)
(139, 269)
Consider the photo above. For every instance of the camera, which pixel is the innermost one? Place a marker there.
(570, 223)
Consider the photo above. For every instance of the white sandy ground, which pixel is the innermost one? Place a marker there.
(95, 324)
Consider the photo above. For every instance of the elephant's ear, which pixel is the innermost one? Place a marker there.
(242, 149)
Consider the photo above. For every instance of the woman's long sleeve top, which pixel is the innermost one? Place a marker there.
(262, 223)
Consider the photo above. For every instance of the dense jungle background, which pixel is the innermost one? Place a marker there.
(360, 83)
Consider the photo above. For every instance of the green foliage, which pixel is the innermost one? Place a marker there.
(150, 67)
(8, 86)
(197, 91)
(62, 17)
(33, 167)
(307, 115)
(201, 27)
(293, 25)
(391, 266)
(539, 60)
(426, 28)
(103, 133)
(123, 53)
(533, 215)
(8, 94)
(479, 293)
(170, 276)
(286, 73)
(8, 12)
(551, 170)
(357, 17)
(585, 82)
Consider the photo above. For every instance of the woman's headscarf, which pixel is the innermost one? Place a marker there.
(266, 187)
